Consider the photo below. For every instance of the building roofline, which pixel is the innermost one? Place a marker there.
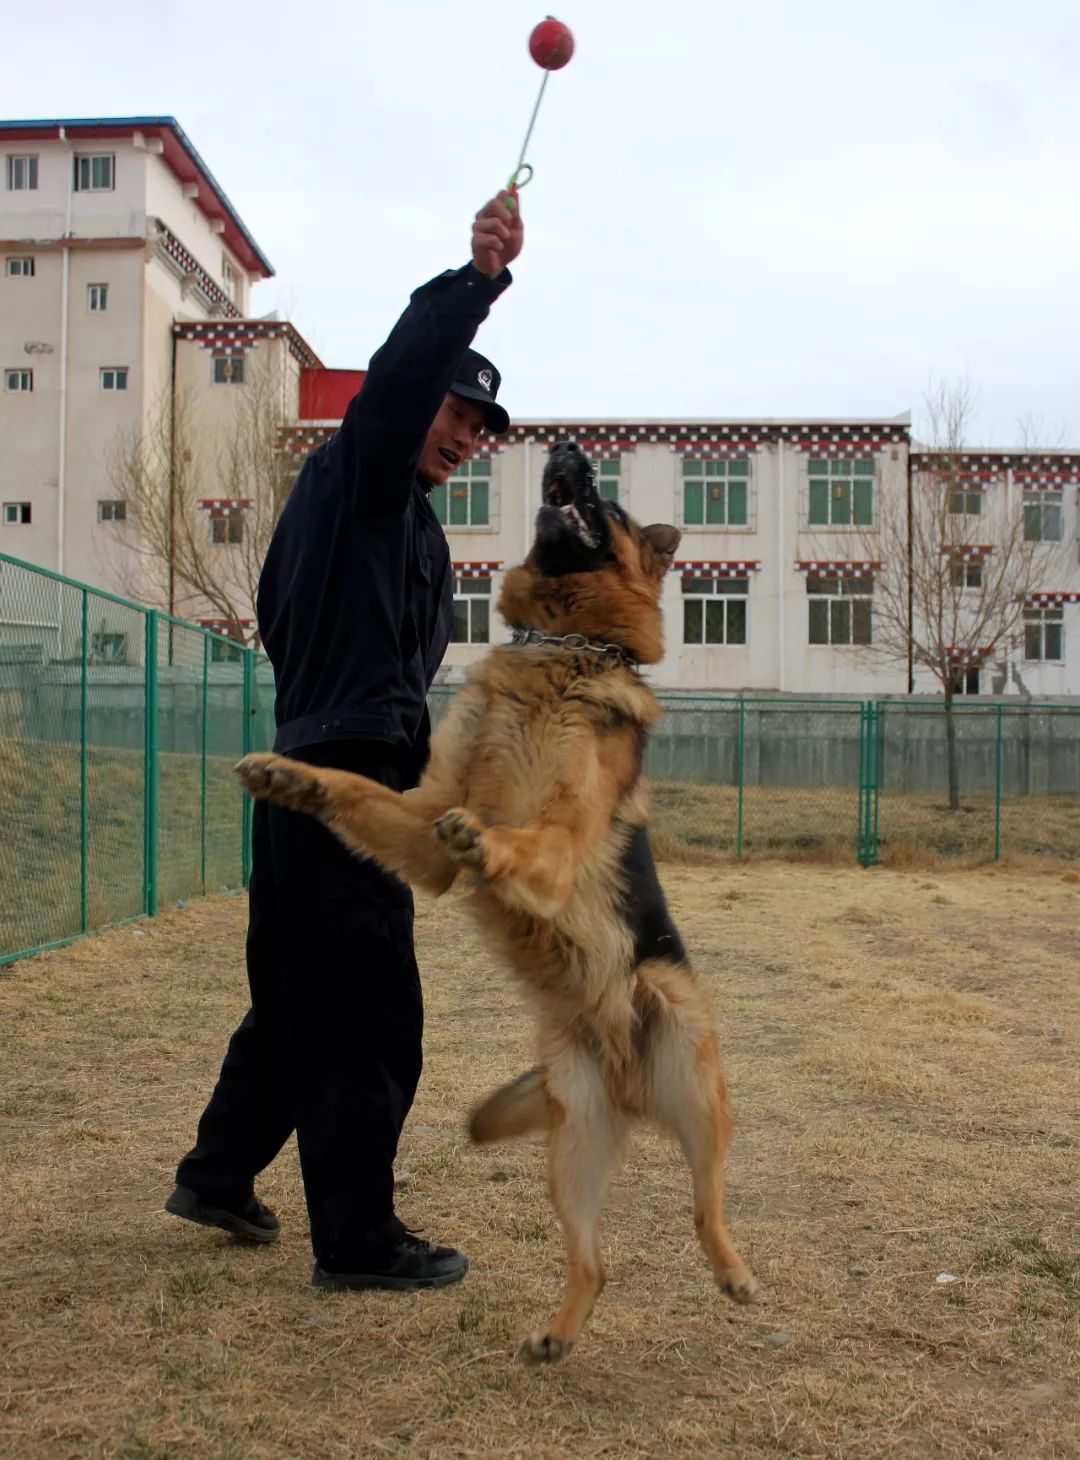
(238, 237)
(226, 329)
(521, 422)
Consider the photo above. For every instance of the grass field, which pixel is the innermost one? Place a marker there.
(901, 1050)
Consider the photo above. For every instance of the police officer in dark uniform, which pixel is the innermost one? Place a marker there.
(355, 610)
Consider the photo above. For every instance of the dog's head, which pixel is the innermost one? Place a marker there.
(592, 569)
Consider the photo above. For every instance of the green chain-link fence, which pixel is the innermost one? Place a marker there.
(119, 726)
(861, 780)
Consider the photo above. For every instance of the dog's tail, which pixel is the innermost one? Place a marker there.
(513, 1110)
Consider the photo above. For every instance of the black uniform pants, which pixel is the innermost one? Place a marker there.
(331, 1046)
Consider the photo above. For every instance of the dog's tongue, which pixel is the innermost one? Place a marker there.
(571, 512)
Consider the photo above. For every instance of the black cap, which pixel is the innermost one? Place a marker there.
(477, 379)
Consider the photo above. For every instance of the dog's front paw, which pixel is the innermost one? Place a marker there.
(462, 836)
(288, 782)
(542, 1348)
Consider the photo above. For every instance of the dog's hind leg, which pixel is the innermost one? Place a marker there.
(684, 1090)
(392, 828)
(588, 1133)
(516, 1109)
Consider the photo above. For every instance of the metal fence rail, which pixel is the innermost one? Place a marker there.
(119, 726)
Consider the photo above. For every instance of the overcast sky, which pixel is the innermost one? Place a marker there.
(779, 209)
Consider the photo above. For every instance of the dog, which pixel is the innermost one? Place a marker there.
(534, 792)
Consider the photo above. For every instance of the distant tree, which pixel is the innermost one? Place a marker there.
(959, 565)
(191, 559)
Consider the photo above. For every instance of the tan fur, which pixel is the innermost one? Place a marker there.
(532, 791)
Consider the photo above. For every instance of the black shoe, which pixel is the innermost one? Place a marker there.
(250, 1223)
(405, 1263)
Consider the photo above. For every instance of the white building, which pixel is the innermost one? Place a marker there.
(109, 232)
(126, 287)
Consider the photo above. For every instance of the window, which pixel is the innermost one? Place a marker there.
(965, 574)
(224, 652)
(608, 476)
(842, 493)
(472, 610)
(963, 503)
(97, 298)
(22, 171)
(228, 529)
(112, 511)
(232, 280)
(16, 514)
(20, 268)
(1042, 517)
(1044, 633)
(465, 500)
(228, 370)
(95, 173)
(108, 648)
(18, 380)
(966, 681)
(714, 610)
(114, 377)
(839, 608)
(715, 492)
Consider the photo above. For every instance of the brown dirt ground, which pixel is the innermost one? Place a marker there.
(901, 1050)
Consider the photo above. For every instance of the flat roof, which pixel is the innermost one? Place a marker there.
(178, 153)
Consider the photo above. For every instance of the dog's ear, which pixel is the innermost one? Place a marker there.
(664, 539)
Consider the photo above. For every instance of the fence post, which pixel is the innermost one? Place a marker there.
(997, 789)
(879, 735)
(861, 806)
(150, 767)
(246, 738)
(84, 900)
(202, 760)
(741, 772)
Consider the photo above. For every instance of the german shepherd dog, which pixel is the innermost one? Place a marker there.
(534, 792)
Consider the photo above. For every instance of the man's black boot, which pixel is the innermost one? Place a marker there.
(250, 1222)
(404, 1263)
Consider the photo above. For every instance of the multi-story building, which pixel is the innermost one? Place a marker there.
(111, 233)
(773, 589)
(124, 312)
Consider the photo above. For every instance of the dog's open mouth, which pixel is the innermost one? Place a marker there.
(559, 493)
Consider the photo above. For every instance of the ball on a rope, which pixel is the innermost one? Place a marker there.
(551, 44)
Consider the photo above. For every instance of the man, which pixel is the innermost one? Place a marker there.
(355, 610)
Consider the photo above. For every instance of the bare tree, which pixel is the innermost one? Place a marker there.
(1036, 434)
(959, 564)
(193, 558)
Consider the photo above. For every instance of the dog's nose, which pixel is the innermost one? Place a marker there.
(566, 448)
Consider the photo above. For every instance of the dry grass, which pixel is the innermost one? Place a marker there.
(901, 1052)
(40, 893)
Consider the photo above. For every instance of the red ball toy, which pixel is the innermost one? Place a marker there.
(551, 44)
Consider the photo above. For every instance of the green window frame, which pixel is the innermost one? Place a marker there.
(1044, 634)
(465, 500)
(472, 609)
(840, 610)
(716, 491)
(609, 478)
(842, 492)
(1043, 517)
(965, 503)
(716, 611)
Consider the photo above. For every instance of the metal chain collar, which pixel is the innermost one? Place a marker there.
(613, 652)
